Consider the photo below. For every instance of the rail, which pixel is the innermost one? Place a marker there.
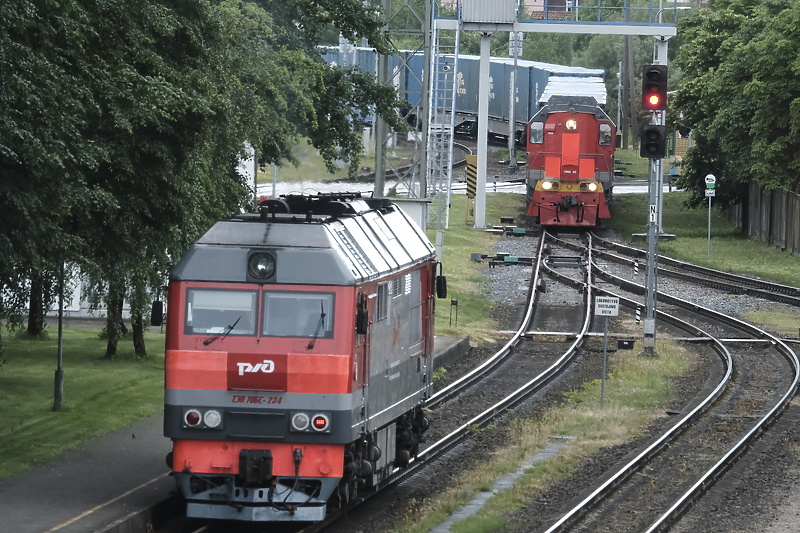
(717, 470)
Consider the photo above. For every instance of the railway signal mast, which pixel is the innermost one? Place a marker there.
(653, 145)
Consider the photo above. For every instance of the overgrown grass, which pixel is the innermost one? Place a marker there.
(637, 391)
(99, 395)
(632, 164)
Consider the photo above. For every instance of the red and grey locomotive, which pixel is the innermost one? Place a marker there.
(298, 356)
(571, 143)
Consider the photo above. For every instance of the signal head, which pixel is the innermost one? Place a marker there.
(653, 141)
(654, 87)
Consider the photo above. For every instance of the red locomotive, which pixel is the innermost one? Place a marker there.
(570, 162)
(298, 355)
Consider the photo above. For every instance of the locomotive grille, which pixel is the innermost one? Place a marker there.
(355, 251)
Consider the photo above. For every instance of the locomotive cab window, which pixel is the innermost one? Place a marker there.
(218, 311)
(605, 135)
(298, 314)
(537, 132)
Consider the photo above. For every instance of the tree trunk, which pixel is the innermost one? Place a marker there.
(137, 324)
(115, 328)
(36, 305)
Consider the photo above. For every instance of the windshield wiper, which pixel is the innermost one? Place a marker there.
(321, 323)
(227, 332)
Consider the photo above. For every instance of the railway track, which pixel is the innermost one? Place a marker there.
(726, 405)
(727, 281)
(484, 395)
(756, 378)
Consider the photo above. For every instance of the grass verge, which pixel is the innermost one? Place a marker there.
(632, 164)
(637, 392)
(99, 395)
(465, 280)
(729, 249)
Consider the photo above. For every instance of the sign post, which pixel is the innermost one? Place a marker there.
(605, 306)
(711, 182)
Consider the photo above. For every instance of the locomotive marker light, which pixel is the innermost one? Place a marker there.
(654, 87)
(192, 417)
(212, 418)
(320, 422)
(300, 421)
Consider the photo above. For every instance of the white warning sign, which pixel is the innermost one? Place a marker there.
(606, 306)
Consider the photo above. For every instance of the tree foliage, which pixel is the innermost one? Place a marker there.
(122, 125)
(740, 96)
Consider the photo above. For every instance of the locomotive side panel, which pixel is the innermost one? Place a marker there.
(398, 356)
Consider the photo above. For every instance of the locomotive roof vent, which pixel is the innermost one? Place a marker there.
(319, 207)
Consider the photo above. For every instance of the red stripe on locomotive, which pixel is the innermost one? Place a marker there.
(319, 374)
(222, 457)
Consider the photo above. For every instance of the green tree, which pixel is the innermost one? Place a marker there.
(42, 104)
(740, 96)
(119, 143)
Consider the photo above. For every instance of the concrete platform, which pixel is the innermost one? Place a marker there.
(116, 476)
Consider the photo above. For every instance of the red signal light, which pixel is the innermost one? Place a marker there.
(319, 422)
(192, 417)
(654, 87)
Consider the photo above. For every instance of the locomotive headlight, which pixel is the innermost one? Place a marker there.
(212, 418)
(547, 185)
(592, 187)
(300, 421)
(261, 265)
(571, 124)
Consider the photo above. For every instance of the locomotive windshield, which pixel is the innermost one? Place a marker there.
(537, 132)
(298, 314)
(234, 312)
(217, 311)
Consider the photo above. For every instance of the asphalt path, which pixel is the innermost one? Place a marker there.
(93, 487)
